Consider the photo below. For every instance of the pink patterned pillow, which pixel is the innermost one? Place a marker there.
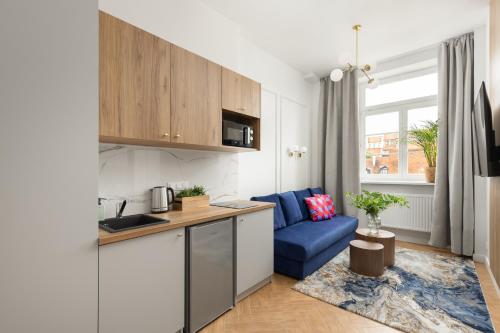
(329, 202)
(318, 209)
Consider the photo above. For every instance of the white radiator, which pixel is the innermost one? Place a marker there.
(418, 217)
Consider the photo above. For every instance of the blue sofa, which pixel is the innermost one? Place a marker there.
(301, 246)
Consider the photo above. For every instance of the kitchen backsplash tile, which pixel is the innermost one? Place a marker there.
(128, 172)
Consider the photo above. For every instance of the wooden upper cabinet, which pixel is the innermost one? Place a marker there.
(240, 94)
(196, 113)
(134, 82)
(154, 93)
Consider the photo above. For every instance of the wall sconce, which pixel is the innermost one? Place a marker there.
(303, 151)
(292, 150)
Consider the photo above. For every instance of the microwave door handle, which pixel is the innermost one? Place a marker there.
(246, 136)
(250, 136)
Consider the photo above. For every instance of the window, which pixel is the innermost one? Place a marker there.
(406, 89)
(382, 148)
(387, 112)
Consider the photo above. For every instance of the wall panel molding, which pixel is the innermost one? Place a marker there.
(291, 170)
(276, 137)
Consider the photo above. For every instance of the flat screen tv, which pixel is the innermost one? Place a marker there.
(486, 153)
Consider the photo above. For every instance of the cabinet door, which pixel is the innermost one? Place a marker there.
(196, 99)
(240, 94)
(254, 249)
(141, 284)
(134, 82)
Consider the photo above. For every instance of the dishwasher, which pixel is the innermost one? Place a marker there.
(209, 272)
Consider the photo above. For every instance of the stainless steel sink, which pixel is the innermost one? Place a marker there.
(129, 222)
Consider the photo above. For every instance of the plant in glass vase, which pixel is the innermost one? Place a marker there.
(373, 203)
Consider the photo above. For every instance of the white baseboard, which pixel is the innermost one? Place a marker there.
(481, 258)
(410, 236)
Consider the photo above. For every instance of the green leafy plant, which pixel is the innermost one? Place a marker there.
(426, 137)
(373, 203)
(195, 191)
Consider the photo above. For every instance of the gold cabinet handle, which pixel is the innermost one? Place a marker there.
(180, 235)
(177, 136)
(166, 134)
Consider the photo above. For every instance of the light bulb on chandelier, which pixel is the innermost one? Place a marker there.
(337, 73)
(372, 83)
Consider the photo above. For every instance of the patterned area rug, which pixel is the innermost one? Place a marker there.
(422, 292)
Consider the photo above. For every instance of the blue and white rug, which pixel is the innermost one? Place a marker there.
(422, 292)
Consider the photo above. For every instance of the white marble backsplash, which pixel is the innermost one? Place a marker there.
(129, 172)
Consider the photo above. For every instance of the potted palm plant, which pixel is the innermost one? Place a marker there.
(374, 203)
(426, 137)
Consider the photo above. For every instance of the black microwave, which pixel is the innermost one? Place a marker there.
(237, 134)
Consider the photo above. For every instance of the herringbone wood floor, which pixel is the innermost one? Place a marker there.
(278, 308)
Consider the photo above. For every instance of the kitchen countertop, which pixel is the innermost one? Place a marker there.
(180, 219)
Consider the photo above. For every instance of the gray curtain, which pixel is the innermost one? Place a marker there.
(453, 215)
(340, 139)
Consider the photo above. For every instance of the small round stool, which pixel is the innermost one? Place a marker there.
(366, 258)
(386, 238)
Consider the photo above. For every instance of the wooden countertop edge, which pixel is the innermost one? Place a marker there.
(108, 238)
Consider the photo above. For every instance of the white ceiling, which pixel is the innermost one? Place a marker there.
(311, 35)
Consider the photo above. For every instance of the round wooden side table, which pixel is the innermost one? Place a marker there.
(366, 258)
(386, 238)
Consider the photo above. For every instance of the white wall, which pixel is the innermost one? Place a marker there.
(316, 139)
(48, 160)
(200, 29)
(295, 131)
(482, 187)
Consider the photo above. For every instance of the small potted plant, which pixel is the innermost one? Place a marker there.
(192, 197)
(373, 203)
(426, 137)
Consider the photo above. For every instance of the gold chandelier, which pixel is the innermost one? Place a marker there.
(337, 73)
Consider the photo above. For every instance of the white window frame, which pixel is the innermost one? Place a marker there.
(402, 108)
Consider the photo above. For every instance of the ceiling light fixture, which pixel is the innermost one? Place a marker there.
(337, 73)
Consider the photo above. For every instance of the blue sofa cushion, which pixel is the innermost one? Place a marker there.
(304, 240)
(316, 190)
(291, 208)
(301, 195)
(279, 218)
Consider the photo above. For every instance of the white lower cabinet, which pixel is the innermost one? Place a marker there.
(254, 249)
(141, 284)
